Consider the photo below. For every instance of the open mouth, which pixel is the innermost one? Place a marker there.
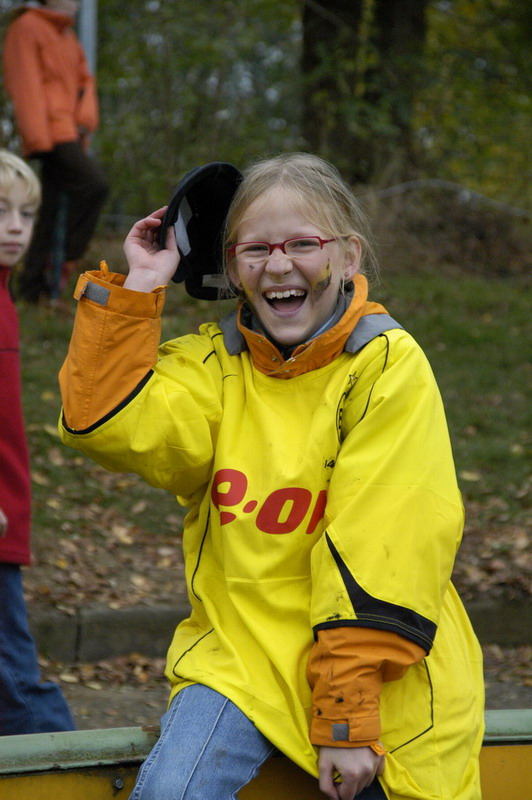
(285, 300)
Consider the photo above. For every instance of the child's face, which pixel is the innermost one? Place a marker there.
(17, 215)
(313, 283)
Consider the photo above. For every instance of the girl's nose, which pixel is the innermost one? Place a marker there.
(15, 221)
(278, 263)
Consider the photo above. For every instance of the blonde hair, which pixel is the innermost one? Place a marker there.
(12, 168)
(318, 192)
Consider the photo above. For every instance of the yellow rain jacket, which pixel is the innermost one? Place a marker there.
(327, 499)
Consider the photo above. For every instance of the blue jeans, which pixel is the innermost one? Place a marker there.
(208, 749)
(26, 704)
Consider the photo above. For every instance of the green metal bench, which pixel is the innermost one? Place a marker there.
(101, 764)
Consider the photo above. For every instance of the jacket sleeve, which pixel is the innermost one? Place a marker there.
(394, 514)
(346, 670)
(23, 78)
(127, 407)
(112, 349)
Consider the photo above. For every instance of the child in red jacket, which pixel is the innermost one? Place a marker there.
(26, 704)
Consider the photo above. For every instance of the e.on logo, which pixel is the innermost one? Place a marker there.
(283, 511)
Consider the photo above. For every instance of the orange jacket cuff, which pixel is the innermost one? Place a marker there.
(350, 732)
(113, 296)
(346, 670)
(113, 347)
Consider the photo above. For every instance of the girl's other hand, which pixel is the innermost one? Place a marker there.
(357, 766)
(150, 267)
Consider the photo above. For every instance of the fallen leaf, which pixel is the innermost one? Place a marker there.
(56, 457)
(140, 581)
(121, 533)
(39, 478)
(51, 430)
(49, 397)
(68, 677)
(470, 476)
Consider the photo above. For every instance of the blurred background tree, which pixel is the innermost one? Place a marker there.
(184, 85)
(363, 65)
(473, 117)
(386, 89)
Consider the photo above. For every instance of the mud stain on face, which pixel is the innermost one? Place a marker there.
(323, 281)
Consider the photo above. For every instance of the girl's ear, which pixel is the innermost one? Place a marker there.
(352, 257)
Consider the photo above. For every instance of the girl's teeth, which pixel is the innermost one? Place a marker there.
(282, 295)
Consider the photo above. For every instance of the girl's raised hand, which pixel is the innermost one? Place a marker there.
(149, 266)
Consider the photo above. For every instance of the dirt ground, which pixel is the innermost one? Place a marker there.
(130, 691)
(117, 706)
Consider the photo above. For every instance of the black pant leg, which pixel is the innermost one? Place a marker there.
(33, 280)
(83, 181)
(67, 170)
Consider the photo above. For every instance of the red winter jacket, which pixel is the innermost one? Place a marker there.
(15, 498)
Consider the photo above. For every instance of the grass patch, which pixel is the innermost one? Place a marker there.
(474, 331)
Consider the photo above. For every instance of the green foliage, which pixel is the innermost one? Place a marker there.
(473, 331)
(361, 73)
(184, 83)
(189, 83)
(224, 82)
(473, 120)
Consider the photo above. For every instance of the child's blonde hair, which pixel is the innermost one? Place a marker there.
(12, 168)
(318, 192)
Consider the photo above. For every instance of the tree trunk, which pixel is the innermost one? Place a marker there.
(361, 63)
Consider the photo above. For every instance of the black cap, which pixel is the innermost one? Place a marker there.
(197, 211)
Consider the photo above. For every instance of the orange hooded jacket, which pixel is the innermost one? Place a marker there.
(47, 77)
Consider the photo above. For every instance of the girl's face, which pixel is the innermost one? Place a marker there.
(309, 286)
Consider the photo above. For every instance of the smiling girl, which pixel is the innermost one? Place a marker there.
(316, 256)
(306, 436)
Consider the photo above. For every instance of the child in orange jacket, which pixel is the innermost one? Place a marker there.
(56, 109)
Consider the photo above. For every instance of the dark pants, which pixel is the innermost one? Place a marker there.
(70, 176)
(26, 704)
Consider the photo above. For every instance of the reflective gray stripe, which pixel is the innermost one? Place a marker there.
(180, 227)
(98, 294)
(215, 279)
(367, 328)
(340, 732)
(233, 339)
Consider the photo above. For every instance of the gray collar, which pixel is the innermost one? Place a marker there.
(366, 329)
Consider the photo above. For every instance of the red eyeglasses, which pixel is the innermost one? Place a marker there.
(299, 247)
